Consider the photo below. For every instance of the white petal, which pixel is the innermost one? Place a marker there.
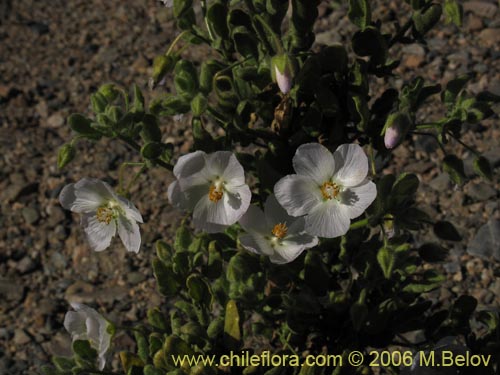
(254, 221)
(187, 199)
(85, 199)
(328, 220)
(275, 213)
(129, 233)
(189, 164)
(74, 322)
(236, 202)
(256, 244)
(224, 164)
(98, 234)
(92, 325)
(130, 210)
(175, 195)
(352, 164)
(357, 199)
(297, 194)
(314, 161)
(102, 362)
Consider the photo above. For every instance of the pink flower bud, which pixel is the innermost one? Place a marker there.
(391, 137)
(395, 129)
(283, 80)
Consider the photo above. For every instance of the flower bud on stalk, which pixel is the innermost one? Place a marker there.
(283, 69)
(396, 127)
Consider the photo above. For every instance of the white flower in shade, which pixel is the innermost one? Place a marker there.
(329, 190)
(103, 213)
(213, 187)
(168, 3)
(87, 324)
(275, 233)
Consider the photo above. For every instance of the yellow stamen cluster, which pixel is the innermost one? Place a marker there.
(280, 230)
(215, 194)
(330, 190)
(104, 214)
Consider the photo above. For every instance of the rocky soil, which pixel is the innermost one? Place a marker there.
(54, 54)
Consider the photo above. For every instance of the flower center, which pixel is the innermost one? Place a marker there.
(216, 191)
(330, 190)
(280, 230)
(105, 214)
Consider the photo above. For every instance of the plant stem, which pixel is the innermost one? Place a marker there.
(400, 33)
(471, 149)
(137, 147)
(172, 45)
(359, 224)
(120, 176)
(372, 160)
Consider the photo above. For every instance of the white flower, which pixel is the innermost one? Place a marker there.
(168, 3)
(329, 190)
(87, 324)
(213, 187)
(103, 213)
(274, 233)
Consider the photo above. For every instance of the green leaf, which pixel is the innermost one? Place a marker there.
(424, 20)
(455, 169)
(65, 155)
(164, 251)
(359, 110)
(463, 308)
(142, 346)
(157, 319)
(186, 79)
(207, 72)
(150, 370)
(214, 267)
(83, 349)
(232, 333)
(334, 58)
(216, 19)
(169, 105)
(370, 42)
(432, 253)
(245, 42)
(453, 88)
(386, 259)
(359, 313)
(360, 13)
(63, 363)
(454, 12)
(138, 99)
(199, 290)
(181, 260)
(183, 238)
(483, 168)
(446, 231)
(215, 328)
(162, 65)
(109, 91)
(199, 104)
(150, 130)
(166, 279)
(98, 102)
(81, 125)
(152, 150)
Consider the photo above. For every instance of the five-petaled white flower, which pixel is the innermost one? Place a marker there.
(87, 324)
(274, 233)
(103, 213)
(213, 187)
(329, 190)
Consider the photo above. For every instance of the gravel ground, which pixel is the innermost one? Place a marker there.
(54, 54)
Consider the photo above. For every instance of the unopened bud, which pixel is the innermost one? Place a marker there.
(395, 129)
(283, 70)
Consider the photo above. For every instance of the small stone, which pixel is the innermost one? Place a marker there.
(30, 215)
(440, 182)
(20, 337)
(481, 192)
(26, 265)
(135, 277)
(474, 23)
(58, 260)
(55, 121)
(413, 61)
(493, 156)
(489, 37)
(486, 243)
(481, 8)
(11, 290)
